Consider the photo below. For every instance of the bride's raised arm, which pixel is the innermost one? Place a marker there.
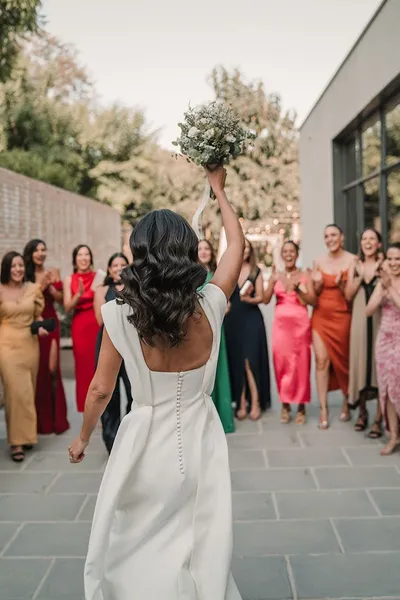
(227, 273)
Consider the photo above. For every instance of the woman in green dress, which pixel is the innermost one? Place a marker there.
(222, 389)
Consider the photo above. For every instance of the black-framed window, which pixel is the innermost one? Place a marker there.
(367, 175)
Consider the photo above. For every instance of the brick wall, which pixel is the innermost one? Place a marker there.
(32, 209)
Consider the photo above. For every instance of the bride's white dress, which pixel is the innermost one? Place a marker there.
(162, 528)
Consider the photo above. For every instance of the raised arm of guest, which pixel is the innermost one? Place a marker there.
(269, 290)
(354, 280)
(70, 301)
(99, 300)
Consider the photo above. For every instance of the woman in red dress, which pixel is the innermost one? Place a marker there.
(51, 405)
(79, 298)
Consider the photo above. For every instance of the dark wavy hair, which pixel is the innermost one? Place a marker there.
(212, 265)
(75, 254)
(29, 249)
(108, 280)
(161, 284)
(378, 237)
(6, 264)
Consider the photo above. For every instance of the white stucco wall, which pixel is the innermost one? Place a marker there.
(372, 64)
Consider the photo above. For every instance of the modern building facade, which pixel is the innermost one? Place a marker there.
(350, 142)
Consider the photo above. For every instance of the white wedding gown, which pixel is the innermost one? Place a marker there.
(162, 528)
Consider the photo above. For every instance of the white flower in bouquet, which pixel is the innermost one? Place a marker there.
(212, 134)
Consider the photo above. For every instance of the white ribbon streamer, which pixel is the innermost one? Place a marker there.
(196, 221)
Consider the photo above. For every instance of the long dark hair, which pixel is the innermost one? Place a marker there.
(108, 280)
(212, 265)
(6, 264)
(252, 256)
(75, 254)
(161, 284)
(29, 249)
(378, 237)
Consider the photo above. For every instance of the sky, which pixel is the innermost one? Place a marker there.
(157, 54)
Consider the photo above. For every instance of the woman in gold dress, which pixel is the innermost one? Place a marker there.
(21, 303)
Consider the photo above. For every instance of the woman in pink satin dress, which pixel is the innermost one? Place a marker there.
(291, 334)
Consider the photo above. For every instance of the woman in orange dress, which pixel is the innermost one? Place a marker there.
(331, 322)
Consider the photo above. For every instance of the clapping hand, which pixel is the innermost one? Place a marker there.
(316, 275)
(81, 287)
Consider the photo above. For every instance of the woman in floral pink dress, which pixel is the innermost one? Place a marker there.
(387, 295)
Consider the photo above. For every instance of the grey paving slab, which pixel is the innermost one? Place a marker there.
(262, 578)
(272, 480)
(35, 507)
(283, 537)
(25, 483)
(51, 539)
(270, 439)
(19, 578)
(247, 459)
(370, 535)
(358, 477)
(252, 507)
(347, 576)
(387, 501)
(65, 581)
(49, 461)
(87, 512)
(7, 530)
(370, 456)
(306, 457)
(81, 483)
(344, 437)
(324, 504)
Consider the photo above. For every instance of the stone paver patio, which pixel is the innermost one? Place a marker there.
(317, 514)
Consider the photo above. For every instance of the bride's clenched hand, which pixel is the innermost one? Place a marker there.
(76, 450)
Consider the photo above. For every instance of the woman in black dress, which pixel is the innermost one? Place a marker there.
(111, 418)
(247, 342)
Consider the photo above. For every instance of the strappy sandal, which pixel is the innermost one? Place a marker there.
(362, 422)
(285, 416)
(390, 447)
(300, 418)
(323, 424)
(376, 431)
(17, 456)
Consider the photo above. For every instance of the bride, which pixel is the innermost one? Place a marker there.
(162, 527)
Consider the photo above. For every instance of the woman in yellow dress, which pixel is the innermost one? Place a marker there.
(21, 303)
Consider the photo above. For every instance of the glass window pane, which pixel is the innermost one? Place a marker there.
(371, 145)
(393, 132)
(351, 233)
(351, 160)
(393, 191)
(371, 204)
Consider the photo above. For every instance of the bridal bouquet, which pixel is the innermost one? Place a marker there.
(211, 135)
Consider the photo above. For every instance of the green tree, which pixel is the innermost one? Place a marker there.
(17, 17)
(265, 180)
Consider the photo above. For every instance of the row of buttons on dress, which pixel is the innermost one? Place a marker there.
(178, 423)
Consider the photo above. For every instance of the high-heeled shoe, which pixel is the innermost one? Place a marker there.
(323, 423)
